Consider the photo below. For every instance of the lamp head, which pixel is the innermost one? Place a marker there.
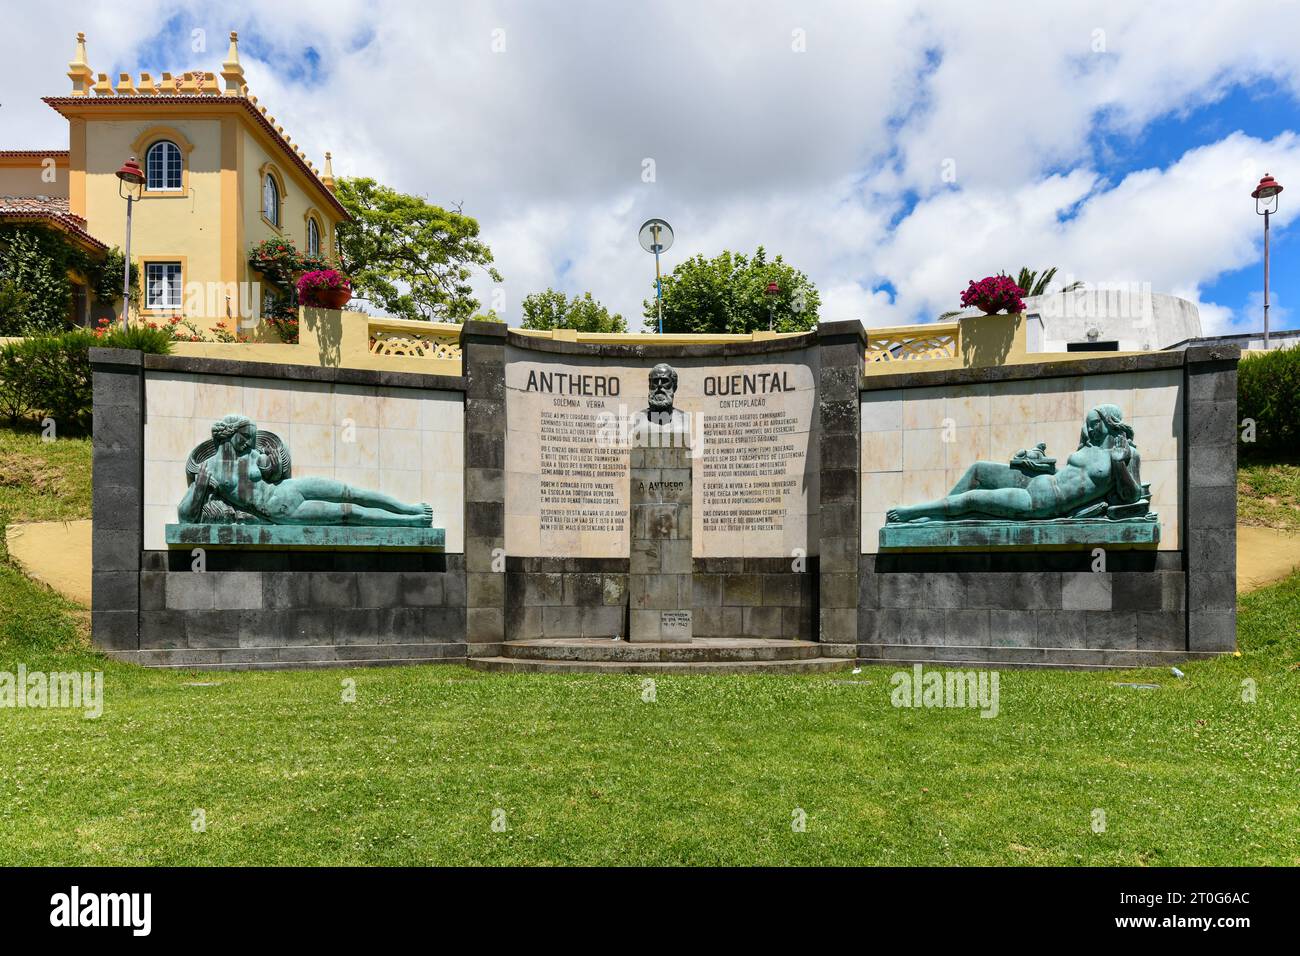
(1265, 194)
(130, 179)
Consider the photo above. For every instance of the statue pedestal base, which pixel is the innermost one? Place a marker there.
(291, 537)
(659, 575)
(1054, 533)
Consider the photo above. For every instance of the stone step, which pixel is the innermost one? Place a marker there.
(514, 665)
(988, 657)
(600, 649)
(305, 656)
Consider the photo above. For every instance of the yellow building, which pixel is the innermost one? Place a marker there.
(221, 175)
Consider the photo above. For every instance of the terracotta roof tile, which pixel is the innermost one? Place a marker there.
(51, 209)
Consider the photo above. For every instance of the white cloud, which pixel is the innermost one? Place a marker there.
(808, 153)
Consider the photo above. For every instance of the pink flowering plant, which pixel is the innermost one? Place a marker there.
(993, 294)
(321, 280)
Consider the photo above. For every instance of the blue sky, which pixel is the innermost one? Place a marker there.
(1116, 141)
(1259, 109)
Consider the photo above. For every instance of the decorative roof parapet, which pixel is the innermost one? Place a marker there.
(232, 71)
(190, 84)
(79, 70)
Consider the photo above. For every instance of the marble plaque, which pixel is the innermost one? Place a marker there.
(749, 423)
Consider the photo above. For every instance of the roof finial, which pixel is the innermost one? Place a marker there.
(79, 70)
(232, 71)
(328, 177)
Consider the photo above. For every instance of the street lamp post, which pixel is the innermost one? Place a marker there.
(772, 291)
(130, 186)
(1265, 196)
(656, 236)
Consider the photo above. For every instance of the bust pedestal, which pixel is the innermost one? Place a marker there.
(659, 578)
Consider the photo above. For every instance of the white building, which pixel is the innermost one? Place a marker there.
(1128, 318)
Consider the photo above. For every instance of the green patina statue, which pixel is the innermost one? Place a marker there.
(1100, 480)
(242, 476)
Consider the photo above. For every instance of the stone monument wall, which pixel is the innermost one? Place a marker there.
(264, 606)
(795, 460)
(1051, 604)
(754, 536)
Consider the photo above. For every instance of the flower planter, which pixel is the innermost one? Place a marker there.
(324, 289)
(331, 298)
(993, 294)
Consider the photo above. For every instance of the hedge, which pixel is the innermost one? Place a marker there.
(1268, 392)
(48, 376)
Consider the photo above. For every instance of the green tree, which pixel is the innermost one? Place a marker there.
(555, 310)
(409, 257)
(1035, 283)
(728, 293)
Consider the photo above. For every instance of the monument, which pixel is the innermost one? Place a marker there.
(1097, 498)
(660, 569)
(609, 504)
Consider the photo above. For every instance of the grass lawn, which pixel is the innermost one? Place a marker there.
(711, 772)
(43, 481)
(1269, 496)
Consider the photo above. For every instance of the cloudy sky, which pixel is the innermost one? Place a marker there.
(892, 151)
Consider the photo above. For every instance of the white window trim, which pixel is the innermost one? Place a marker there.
(180, 184)
(168, 302)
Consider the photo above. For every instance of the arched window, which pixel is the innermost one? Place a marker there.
(271, 199)
(163, 166)
(313, 237)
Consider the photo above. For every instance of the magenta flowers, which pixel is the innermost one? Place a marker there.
(322, 280)
(993, 294)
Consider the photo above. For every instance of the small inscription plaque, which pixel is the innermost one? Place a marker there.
(675, 625)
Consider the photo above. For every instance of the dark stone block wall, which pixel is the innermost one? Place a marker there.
(1019, 611)
(1050, 608)
(251, 618)
(566, 597)
(484, 363)
(1210, 506)
(754, 597)
(731, 597)
(841, 348)
(117, 500)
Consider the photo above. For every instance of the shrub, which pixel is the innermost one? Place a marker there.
(1268, 392)
(49, 375)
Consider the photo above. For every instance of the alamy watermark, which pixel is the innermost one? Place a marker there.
(919, 688)
(60, 689)
(1100, 300)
